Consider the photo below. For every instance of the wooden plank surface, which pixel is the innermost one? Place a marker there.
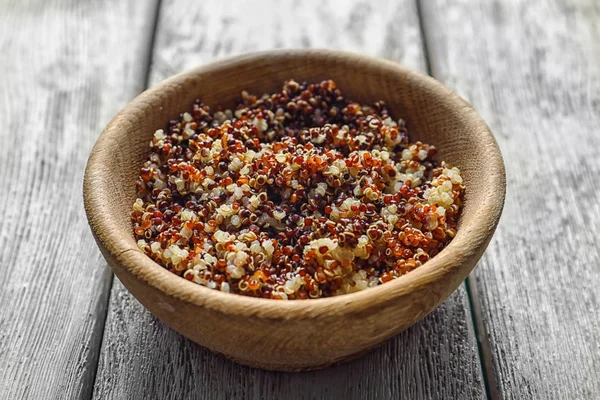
(142, 358)
(66, 68)
(532, 70)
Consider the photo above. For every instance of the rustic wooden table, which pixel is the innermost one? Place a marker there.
(526, 325)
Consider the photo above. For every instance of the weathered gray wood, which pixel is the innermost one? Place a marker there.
(532, 70)
(65, 69)
(142, 358)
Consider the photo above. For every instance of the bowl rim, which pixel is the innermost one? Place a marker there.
(145, 269)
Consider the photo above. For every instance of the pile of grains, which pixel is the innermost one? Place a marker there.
(298, 194)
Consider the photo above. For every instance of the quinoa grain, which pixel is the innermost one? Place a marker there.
(294, 195)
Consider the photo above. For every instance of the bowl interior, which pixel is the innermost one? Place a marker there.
(433, 113)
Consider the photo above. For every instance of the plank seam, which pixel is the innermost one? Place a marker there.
(151, 44)
(423, 38)
(483, 347)
(146, 80)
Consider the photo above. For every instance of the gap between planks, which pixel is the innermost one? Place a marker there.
(483, 347)
(147, 67)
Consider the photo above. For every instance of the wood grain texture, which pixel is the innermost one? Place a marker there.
(66, 68)
(192, 36)
(531, 70)
(143, 358)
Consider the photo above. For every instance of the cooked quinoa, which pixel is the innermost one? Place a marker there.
(293, 195)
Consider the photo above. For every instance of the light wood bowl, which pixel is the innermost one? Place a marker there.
(298, 334)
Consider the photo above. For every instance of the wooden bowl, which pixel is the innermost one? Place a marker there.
(298, 334)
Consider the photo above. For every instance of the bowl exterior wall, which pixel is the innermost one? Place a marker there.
(287, 344)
